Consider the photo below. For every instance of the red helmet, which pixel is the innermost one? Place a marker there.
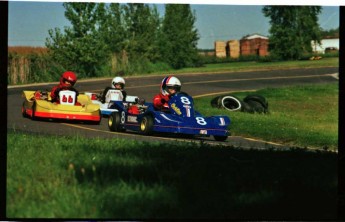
(68, 76)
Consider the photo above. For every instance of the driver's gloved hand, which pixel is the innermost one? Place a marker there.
(141, 101)
(57, 91)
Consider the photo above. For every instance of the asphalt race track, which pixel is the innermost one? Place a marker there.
(196, 85)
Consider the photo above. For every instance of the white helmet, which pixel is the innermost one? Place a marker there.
(170, 81)
(118, 80)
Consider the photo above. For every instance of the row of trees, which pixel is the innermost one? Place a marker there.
(133, 37)
(332, 33)
(114, 37)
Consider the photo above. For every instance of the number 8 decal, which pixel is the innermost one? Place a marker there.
(123, 117)
(201, 121)
(185, 100)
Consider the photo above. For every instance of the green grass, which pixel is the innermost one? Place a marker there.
(63, 177)
(304, 116)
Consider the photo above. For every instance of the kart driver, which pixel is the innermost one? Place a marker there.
(169, 86)
(116, 83)
(67, 81)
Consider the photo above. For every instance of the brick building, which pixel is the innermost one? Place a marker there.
(254, 45)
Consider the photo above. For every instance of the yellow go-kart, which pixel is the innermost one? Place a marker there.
(38, 105)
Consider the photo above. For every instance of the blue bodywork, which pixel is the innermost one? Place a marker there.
(180, 118)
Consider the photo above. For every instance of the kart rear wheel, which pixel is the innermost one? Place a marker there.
(33, 117)
(220, 138)
(24, 111)
(114, 121)
(146, 125)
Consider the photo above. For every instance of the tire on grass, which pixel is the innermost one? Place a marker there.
(247, 108)
(258, 98)
(215, 102)
(228, 102)
(256, 106)
(231, 103)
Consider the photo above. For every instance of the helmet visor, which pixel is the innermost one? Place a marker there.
(118, 84)
(175, 87)
(66, 81)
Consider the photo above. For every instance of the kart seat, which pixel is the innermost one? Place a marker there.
(67, 97)
(114, 95)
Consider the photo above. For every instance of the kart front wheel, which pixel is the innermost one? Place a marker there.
(146, 125)
(220, 138)
(114, 121)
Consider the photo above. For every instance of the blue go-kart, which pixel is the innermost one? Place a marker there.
(180, 118)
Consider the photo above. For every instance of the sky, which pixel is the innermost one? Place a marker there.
(29, 22)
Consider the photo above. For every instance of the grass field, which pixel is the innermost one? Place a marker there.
(303, 116)
(54, 177)
(96, 178)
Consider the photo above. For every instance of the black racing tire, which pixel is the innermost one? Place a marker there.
(114, 122)
(231, 103)
(220, 138)
(33, 117)
(215, 102)
(258, 98)
(146, 125)
(256, 106)
(246, 108)
(24, 111)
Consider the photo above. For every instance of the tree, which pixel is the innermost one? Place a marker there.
(112, 27)
(293, 28)
(113, 31)
(178, 36)
(141, 27)
(332, 33)
(80, 48)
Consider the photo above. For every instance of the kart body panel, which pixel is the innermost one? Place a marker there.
(82, 108)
